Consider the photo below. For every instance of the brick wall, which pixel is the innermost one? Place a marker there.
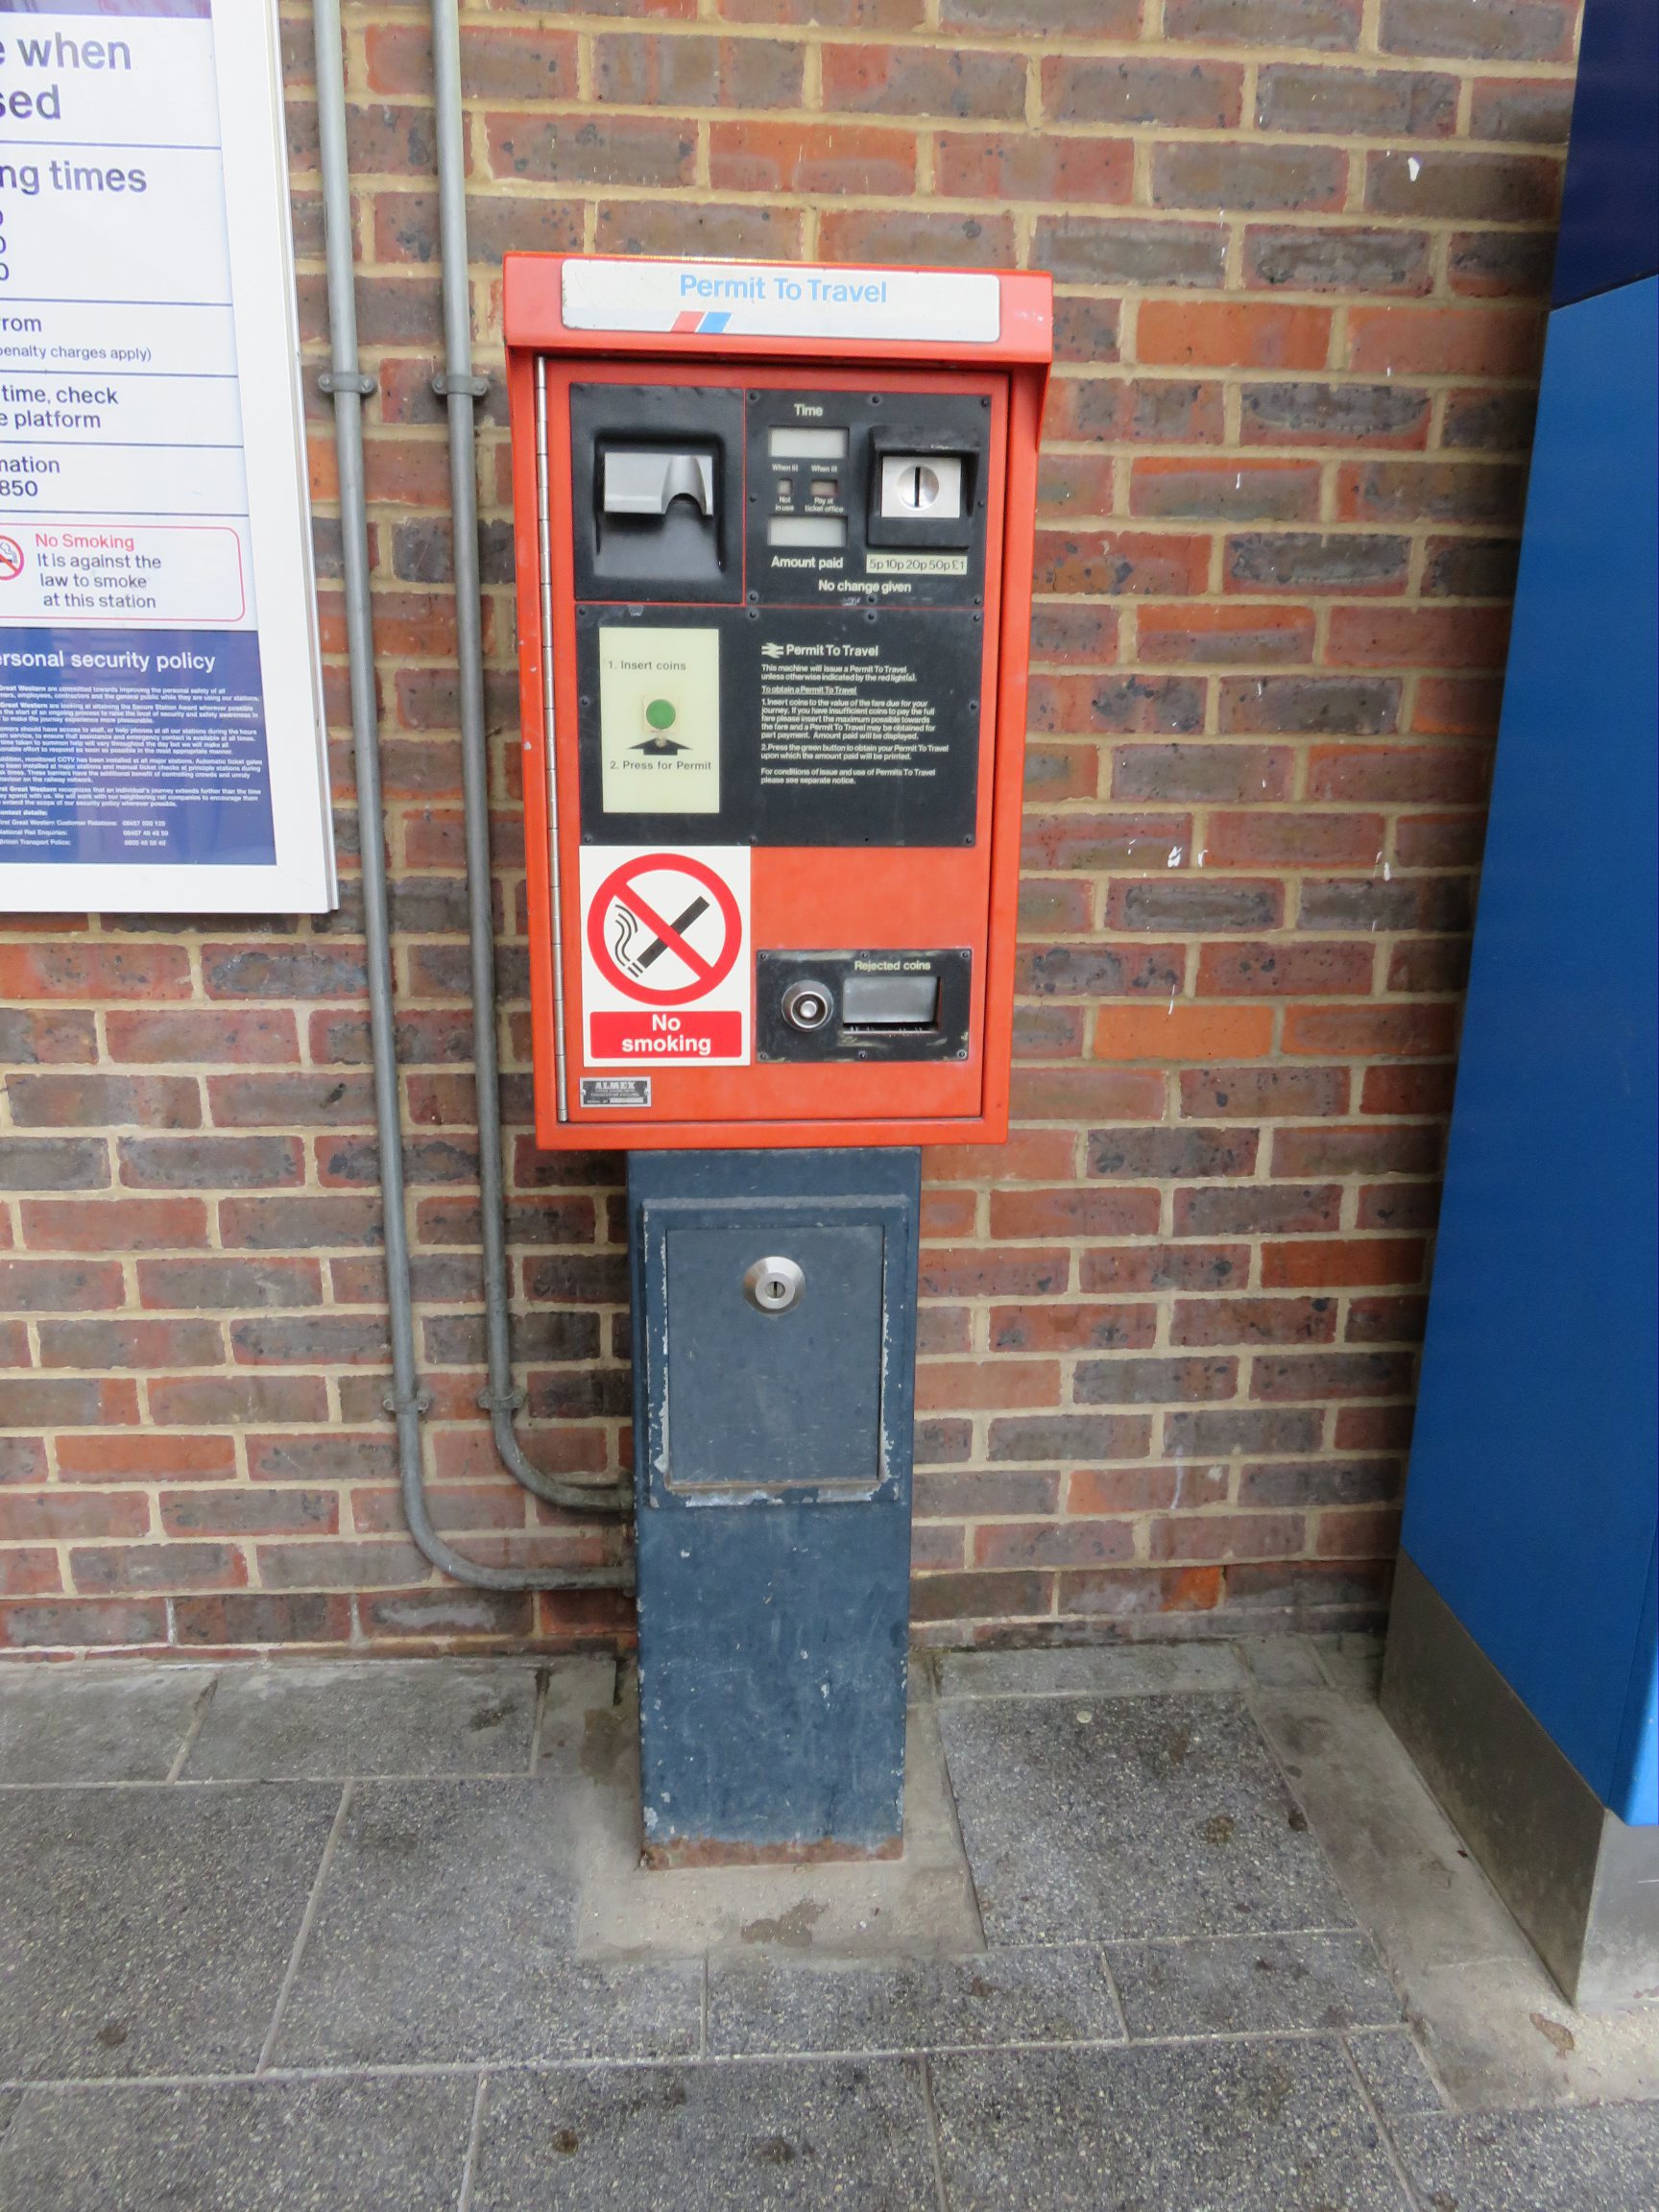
(1301, 248)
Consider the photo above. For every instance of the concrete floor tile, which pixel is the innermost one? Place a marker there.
(147, 1931)
(446, 1932)
(1603, 2158)
(378, 2146)
(95, 1723)
(1395, 2073)
(1130, 1818)
(1102, 1670)
(1353, 1663)
(848, 2136)
(10, 2099)
(1496, 2029)
(1251, 1984)
(378, 1717)
(1029, 1996)
(1281, 1662)
(1267, 2127)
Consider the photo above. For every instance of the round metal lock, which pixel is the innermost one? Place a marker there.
(773, 1285)
(807, 1004)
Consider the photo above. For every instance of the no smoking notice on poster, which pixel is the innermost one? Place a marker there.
(665, 957)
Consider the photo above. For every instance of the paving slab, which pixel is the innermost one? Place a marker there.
(1251, 1984)
(1258, 2127)
(1395, 2073)
(95, 1723)
(147, 1931)
(1101, 1671)
(1497, 2029)
(919, 1906)
(763, 2006)
(1351, 1662)
(372, 2146)
(381, 1716)
(848, 2134)
(1599, 2159)
(1130, 1818)
(446, 1932)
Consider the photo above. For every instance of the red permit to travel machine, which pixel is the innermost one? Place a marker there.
(773, 539)
(772, 529)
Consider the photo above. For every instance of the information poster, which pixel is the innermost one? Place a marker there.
(160, 718)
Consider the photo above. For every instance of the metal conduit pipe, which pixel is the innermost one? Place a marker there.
(346, 384)
(460, 388)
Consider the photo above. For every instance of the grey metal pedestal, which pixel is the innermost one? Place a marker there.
(775, 1325)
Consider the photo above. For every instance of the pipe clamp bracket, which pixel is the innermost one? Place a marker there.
(332, 382)
(502, 1401)
(460, 387)
(418, 1401)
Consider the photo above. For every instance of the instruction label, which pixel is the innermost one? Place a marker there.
(660, 719)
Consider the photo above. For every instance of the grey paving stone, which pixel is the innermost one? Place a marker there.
(147, 1931)
(1130, 1818)
(369, 2146)
(1029, 1996)
(1251, 1984)
(375, 1717)
(445, 1931)
(1601, 2158)
(1097, 1671)
(1262, 2126)
(1395, 2073)
(851, 2135)
(1353, 1663)
(1281, 1662)
(95, 1723)
(10, 2099)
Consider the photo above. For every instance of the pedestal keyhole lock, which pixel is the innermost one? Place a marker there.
(773, 1285)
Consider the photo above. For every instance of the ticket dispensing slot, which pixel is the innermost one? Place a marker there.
(655, 476)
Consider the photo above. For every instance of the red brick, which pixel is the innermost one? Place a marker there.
(1397, 1032)
(816, 158)
(60, 1286)
(1329, 1263)
(925, 80)
(574, 150)
(1418, 637)
(70, 970)
(1231, 334)
(1445, 341)
(1075, 1326)
(50, 1515)
(253, 1618)
(495, 64)
(119, 1225)
(976, 1274)
(963, 1386)
(1244, 1321)
(145, 1459)
(68, 1624)
(1285, 969)
(1225, 636)
(1182, 1032)
(1120, 561)
(975, 165)
(105, 1101)
(1119, 1593)
(1084, 1212)
(1068, 1543)
(1171, 490)
(1294, 838)
(1187, 95)
(216, 1034)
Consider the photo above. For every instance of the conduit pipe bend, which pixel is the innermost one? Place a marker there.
(346, 384)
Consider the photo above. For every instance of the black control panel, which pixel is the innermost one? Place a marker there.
(781, 630)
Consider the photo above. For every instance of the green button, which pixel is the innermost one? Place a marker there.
(660, 714)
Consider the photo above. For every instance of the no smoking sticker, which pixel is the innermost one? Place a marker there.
(665, 955)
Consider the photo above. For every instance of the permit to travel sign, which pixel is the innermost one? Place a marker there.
(161, 731)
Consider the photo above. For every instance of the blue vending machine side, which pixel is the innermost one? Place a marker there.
(1522, 1665)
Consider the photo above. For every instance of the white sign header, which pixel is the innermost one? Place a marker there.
(761, 299)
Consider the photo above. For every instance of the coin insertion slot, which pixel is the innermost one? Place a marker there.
(890, 1002)
(925, 486)
(785, 442)
(821, 531)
